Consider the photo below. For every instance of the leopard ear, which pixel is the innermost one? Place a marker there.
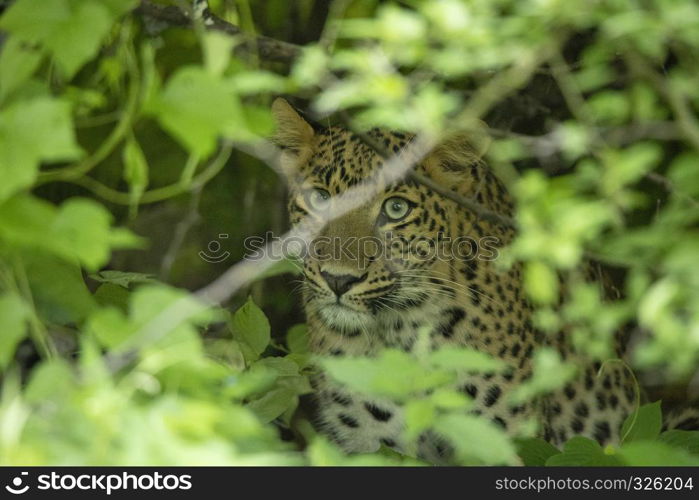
(294, 137)
(455, 156)
(293, 132)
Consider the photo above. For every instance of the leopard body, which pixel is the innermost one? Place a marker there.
(359, 304)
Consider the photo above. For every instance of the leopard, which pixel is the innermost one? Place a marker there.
(359, 302)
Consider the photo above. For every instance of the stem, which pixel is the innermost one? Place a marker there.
(637, 389)
(189, 168)
(37, 330)
(248, 24)
(115, 137)
(158, 194)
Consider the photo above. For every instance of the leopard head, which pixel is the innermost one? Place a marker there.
(395, 249)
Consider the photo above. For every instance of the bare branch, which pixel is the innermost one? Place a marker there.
(267, 48)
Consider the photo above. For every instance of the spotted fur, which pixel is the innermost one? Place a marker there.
(465, 302)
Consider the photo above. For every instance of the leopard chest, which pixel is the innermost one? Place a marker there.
(360, 423)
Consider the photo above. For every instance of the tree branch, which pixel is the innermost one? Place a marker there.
(473, 206)
(267, 48)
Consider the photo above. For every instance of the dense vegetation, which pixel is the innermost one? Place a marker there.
(132, 167)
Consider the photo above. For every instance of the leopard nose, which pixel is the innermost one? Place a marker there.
(341, 283)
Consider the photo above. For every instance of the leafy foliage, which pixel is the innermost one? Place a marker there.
(104, 112)
(642, 445)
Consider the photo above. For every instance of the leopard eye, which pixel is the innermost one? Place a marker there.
(318, 199)
(396, 208)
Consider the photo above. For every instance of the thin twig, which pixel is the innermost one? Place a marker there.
(181, 230)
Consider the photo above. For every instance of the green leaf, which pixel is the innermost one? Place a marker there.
(33, 131)
(110, 327)
(122, 278)
(643, 423)
(255, 82)
(64, 298)
(311, 66)
(217, 51)
(120, 237)
(76, 39)
(71, 30)
(656, 453)
(575, 139)
(684, 173)
(28, 23)
(109, 294)
(51, 380)
(82, 226)
(687, 440)
(610, 106)
(13, 325)
(582, 451)
(274, 403)
(135, 168)
(196, 108)
(150, 301)
(550, 373)
(627, 166)
(162, 324)
(393, 374)
(399, 24)
(256, 380)
(18, 62)
(297, 338)
(92, 365)
(419, 416)
(476, 440)
(541, 282)
(283, 367)
(118, 8)
(78, 230)
(297, 383)
(250, 326)
(26, 221)
(535, 451)
(260, 123)
(448, 399)
(463, 359)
